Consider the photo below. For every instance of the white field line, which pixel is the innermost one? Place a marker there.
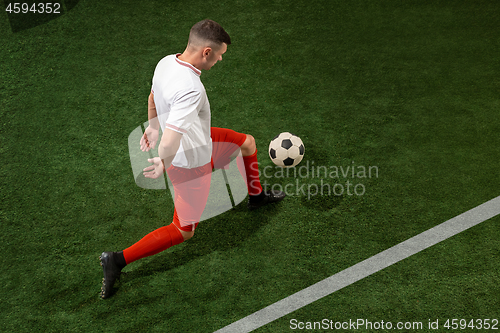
(365, 268)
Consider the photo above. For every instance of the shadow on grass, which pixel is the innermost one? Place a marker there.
(219, 233)
(322, 202)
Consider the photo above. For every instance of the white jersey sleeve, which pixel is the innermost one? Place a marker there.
(184, 111)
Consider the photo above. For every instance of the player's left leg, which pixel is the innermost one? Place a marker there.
(152, 243)
(191, 187)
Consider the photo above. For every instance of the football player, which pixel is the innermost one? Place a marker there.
(189, 148)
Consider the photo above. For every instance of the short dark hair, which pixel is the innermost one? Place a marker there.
(211, 31)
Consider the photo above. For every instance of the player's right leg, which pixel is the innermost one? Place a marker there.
(257, 198)
(225, 145)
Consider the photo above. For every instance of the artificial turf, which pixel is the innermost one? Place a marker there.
(410, 87)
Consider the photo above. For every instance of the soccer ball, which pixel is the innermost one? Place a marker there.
(286, 150)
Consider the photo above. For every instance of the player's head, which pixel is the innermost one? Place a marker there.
(209, 39)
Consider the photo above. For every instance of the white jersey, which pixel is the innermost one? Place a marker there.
(182, 105)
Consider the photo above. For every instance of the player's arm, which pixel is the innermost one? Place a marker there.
(152, 115)
(169, 144)
(183, 113)
(150, 137)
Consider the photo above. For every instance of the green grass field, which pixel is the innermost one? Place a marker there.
(409, 87)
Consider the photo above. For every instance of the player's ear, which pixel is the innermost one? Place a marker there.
(206, 51)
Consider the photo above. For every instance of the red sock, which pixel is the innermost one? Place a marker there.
(153, 243)
(252, 173)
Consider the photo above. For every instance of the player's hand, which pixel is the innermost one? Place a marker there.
(149, 139)
(155, 170)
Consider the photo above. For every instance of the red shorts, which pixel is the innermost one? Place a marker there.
(192, 186)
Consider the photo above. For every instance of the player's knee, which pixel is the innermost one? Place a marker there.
(187, 234)
(250, 141)
(248, 147)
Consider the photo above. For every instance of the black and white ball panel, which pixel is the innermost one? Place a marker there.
(286, 150)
